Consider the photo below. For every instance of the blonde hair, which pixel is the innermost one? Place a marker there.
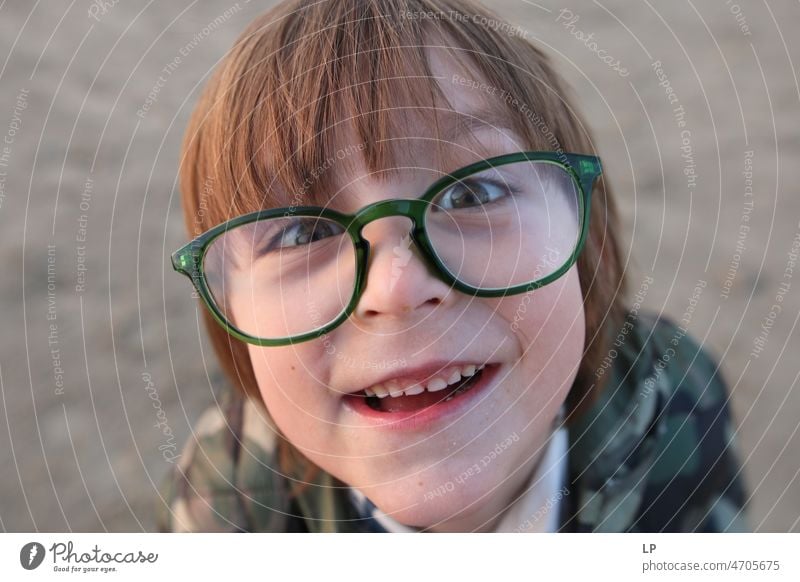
(263, 124)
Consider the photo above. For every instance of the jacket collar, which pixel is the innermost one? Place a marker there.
(613, 446)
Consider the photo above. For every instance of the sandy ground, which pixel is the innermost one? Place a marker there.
(94, 321)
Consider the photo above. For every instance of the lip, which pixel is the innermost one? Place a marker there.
(420, 374)
(423, 418)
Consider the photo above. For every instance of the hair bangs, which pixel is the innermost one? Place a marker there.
(355, 70)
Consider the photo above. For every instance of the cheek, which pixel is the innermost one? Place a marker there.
(293, 384)
(550, 327)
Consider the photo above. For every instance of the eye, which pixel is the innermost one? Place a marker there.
(472, 193)
(302, 231)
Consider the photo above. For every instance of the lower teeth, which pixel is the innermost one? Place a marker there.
(463, 388)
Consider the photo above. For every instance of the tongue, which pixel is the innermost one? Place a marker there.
(415, 402)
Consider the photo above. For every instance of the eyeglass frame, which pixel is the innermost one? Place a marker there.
(584, 170)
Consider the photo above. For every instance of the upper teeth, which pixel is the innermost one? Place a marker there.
(440, 381)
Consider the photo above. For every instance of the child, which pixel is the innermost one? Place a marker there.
(461, 360)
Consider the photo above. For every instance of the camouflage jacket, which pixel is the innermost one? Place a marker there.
(654, 453)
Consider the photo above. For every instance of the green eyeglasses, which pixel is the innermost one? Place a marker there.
(501, 226)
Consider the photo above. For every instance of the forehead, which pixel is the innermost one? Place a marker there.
(469, 124)
(469, 107)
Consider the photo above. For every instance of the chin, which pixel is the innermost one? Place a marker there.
(421, 505)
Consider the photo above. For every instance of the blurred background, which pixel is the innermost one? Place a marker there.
(696, 112)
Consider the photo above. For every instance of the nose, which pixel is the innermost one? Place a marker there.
(399, 279)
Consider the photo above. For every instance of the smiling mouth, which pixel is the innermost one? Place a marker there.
(426, 396)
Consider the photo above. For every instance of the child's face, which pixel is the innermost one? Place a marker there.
(473, 453)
